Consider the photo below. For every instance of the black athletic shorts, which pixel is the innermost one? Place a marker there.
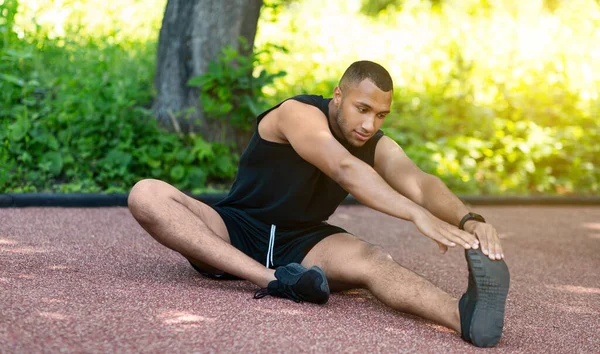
(253, 237)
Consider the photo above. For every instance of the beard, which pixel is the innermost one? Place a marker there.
(341, 125)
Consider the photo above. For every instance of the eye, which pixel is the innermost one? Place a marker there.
(381, 116)
(362, 109)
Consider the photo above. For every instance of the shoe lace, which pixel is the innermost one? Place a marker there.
(284, 290)
(260, 293)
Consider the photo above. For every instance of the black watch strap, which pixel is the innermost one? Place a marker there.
(470, 216)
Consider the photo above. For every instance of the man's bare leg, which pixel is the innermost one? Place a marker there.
(346, 259)
(193, 229)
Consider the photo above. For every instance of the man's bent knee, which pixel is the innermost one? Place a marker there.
(348, 259)
(144, 195)
(374, 261)
(373, 254)
(369, 261)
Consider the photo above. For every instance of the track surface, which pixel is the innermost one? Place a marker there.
(92, 280)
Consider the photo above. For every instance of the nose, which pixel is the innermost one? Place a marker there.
(368, 125)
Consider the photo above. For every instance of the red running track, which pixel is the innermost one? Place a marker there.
(92, 280)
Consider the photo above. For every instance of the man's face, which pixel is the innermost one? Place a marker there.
(361, 109)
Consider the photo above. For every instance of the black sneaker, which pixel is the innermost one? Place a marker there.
(482, 306)
(297, 283)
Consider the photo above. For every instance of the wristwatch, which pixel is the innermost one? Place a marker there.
(470, 216)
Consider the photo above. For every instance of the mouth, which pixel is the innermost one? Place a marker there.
(361, 137)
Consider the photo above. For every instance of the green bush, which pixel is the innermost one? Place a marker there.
(537, 139)
(76, 118)
(231, 88)
(493, 99)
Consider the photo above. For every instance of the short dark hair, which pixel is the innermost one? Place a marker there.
(364, 69)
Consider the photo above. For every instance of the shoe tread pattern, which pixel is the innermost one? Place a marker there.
(492, 282)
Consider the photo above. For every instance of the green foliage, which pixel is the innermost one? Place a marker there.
(483, 99)
(375, 7)
(535, 139)
(75, 118)
(231, 88)
(494, 97)
(271, 9)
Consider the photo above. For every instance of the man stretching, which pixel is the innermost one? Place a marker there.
(306, 154)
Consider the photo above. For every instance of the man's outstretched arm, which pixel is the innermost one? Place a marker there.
(306, 129)
(431, 193)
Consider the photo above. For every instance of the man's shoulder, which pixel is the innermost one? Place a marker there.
(317, 101)
(301, 105)
(307, 97)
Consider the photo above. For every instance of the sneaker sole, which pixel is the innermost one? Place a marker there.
(492, 280)
(322, 284)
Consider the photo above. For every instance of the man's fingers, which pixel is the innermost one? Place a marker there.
(440, 238)
(493, 250)
(468, 239)
(485, 247)
(498, 246)
(500, 250)
(443, 248)
(461, 238)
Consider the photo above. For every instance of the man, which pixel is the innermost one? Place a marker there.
(306, 154)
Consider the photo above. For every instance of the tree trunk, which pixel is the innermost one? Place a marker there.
(191, 36)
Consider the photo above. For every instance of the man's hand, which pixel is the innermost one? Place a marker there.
(488, 237)
(444, 234)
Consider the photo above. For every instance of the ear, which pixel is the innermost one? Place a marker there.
(337, 96)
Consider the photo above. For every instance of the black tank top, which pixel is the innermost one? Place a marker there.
(276, 186)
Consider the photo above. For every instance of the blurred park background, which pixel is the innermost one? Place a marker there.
(496, 97)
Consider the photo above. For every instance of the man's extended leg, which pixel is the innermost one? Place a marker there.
(193, 229)
(348, 260)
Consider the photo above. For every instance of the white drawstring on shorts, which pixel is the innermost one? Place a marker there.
(271, 246)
